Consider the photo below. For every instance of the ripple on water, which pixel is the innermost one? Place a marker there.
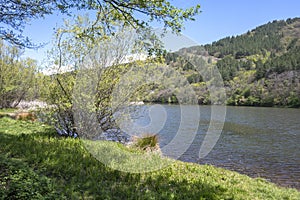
(259, 142)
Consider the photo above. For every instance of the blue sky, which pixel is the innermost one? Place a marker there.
(219, 18)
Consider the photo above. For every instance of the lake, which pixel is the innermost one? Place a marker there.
(259, 142)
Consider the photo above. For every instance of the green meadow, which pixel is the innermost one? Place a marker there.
(37, 164)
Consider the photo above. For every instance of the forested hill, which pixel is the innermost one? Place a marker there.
(259, 68)
(275, 37)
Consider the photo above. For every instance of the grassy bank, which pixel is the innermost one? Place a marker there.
(36, 164)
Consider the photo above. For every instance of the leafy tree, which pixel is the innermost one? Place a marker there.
(16, 76)
(14, 15)
(95, 65)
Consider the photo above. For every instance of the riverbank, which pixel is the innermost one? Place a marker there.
(35, 163)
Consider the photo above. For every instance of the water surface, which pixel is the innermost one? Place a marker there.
(259, 142)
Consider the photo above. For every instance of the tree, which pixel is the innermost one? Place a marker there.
(75, 41)
(95, 64)
(14, 15)
(16, 76)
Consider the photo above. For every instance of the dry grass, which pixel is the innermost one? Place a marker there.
(147, 142)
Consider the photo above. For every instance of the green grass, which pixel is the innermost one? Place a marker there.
(8, 110)
(36, 164)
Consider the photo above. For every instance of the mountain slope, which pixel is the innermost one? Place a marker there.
(275, 37)
(259, 68)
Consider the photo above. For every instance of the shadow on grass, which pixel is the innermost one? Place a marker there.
(79, 175)
(19, 181)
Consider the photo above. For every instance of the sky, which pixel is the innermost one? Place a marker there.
(218, 19)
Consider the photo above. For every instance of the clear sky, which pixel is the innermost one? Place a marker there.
(219, 18)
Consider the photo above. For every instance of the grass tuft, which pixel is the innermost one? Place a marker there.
(148, 142)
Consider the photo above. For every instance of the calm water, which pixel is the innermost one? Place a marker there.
(259, 142)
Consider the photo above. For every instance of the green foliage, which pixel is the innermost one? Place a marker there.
(277, 90)
(106, 14)
(109, 32)
(18, 181)
(228, 67)
(293, 100)
(260, 68)
(17, 77)
(61, 168)
(194, 77)
(286, 62)
(265, 37)
(59, 94)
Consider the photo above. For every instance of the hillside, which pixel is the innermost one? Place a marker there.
(276, 37)
(259, 68)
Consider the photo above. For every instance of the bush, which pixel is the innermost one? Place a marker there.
(293, 101)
